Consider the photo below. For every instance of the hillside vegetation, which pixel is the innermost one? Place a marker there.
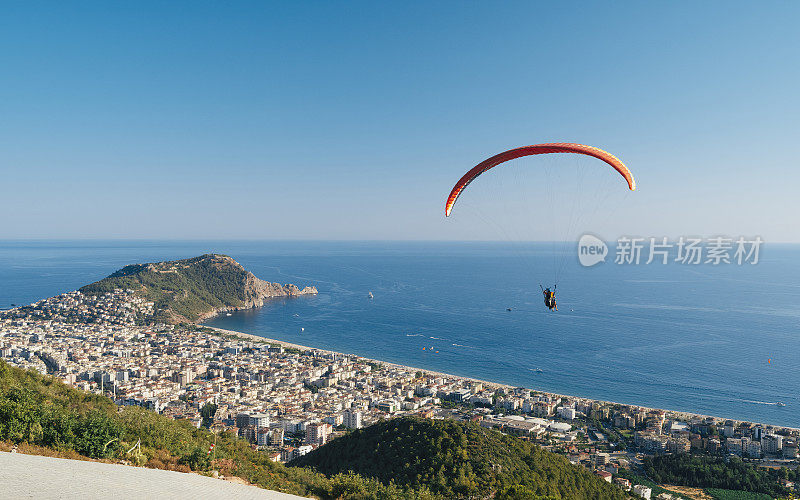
(718, 494)
(718, 473)
(456, 460)
(188, 290)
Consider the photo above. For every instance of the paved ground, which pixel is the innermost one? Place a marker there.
(32, 476)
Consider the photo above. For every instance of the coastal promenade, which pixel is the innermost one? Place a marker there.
(33, 476)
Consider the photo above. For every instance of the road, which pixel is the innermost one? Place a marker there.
(32, 476)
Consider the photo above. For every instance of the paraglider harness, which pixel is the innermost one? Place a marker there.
(549, 297)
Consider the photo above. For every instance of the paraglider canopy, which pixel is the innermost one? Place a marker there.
(537, 149)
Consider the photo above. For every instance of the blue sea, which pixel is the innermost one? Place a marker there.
(721, 341)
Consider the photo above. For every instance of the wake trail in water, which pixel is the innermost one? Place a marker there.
(757, 402)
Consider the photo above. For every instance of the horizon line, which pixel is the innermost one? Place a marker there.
(334, 240)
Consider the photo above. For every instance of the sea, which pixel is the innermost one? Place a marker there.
(715, 340)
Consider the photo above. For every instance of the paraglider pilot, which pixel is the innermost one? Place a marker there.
(549, 298)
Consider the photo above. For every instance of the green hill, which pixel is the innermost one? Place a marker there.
(193, 289)
(456, 460)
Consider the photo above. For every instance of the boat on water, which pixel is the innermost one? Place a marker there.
(228, 314)
(508, 309)
(369, 295)
(780, 404)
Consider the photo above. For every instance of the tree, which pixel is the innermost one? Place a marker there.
(207, 412)
(197, 459)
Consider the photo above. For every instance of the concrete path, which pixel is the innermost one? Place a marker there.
(32, 476)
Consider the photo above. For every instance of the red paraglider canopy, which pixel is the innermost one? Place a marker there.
(536, 149)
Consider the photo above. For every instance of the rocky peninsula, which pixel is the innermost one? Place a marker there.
(193, 290)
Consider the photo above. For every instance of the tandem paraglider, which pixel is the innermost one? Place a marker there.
(550, 298)
(541, 149)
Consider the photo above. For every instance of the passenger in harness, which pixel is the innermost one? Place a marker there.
(550, 298)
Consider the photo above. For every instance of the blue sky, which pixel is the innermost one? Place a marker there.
(352, 120)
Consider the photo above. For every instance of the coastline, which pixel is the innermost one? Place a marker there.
(289, 289)
(679, 413)
(747, 394)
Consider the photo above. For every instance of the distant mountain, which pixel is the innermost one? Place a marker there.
(192, 290)
(456, 460)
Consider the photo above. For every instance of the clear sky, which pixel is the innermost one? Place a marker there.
(352, 120)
